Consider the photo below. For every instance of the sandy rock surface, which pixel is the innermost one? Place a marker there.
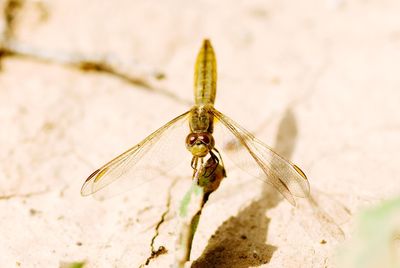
(317, 80)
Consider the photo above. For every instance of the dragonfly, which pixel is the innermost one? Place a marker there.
(196, 134)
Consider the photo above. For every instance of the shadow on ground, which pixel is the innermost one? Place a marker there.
(241, 240)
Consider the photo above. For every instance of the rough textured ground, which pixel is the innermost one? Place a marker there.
(317, 80)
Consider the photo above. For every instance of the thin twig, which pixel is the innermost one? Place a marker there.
(102, 64)
(140, 77)
(11, 196)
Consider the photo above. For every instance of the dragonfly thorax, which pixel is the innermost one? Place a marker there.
(200, 119)
(200, 144)
(200, 140)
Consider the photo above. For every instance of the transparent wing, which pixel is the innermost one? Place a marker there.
(322, 216)
(160, 151)
(259, 160)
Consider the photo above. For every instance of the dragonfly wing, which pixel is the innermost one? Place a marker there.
(160, 151)
(321, 216)
(259, 160)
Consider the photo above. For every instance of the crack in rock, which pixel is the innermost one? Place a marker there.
(161, 249)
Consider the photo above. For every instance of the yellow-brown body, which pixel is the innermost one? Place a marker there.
(200, 141)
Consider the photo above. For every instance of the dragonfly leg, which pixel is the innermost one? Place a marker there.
(193, 164)
(213, 164)
(218, 155)
(218, 158)
(196, 163)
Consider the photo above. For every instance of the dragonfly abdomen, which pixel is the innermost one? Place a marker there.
(205, 75)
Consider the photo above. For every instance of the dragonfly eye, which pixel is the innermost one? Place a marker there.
(191, 139)
(204, 138)
(207, 139)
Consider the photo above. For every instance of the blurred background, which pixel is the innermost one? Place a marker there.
(82, 81)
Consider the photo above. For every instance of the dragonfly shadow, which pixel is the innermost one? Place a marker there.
(240, 241)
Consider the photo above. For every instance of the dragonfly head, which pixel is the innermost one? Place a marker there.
(199, 144)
